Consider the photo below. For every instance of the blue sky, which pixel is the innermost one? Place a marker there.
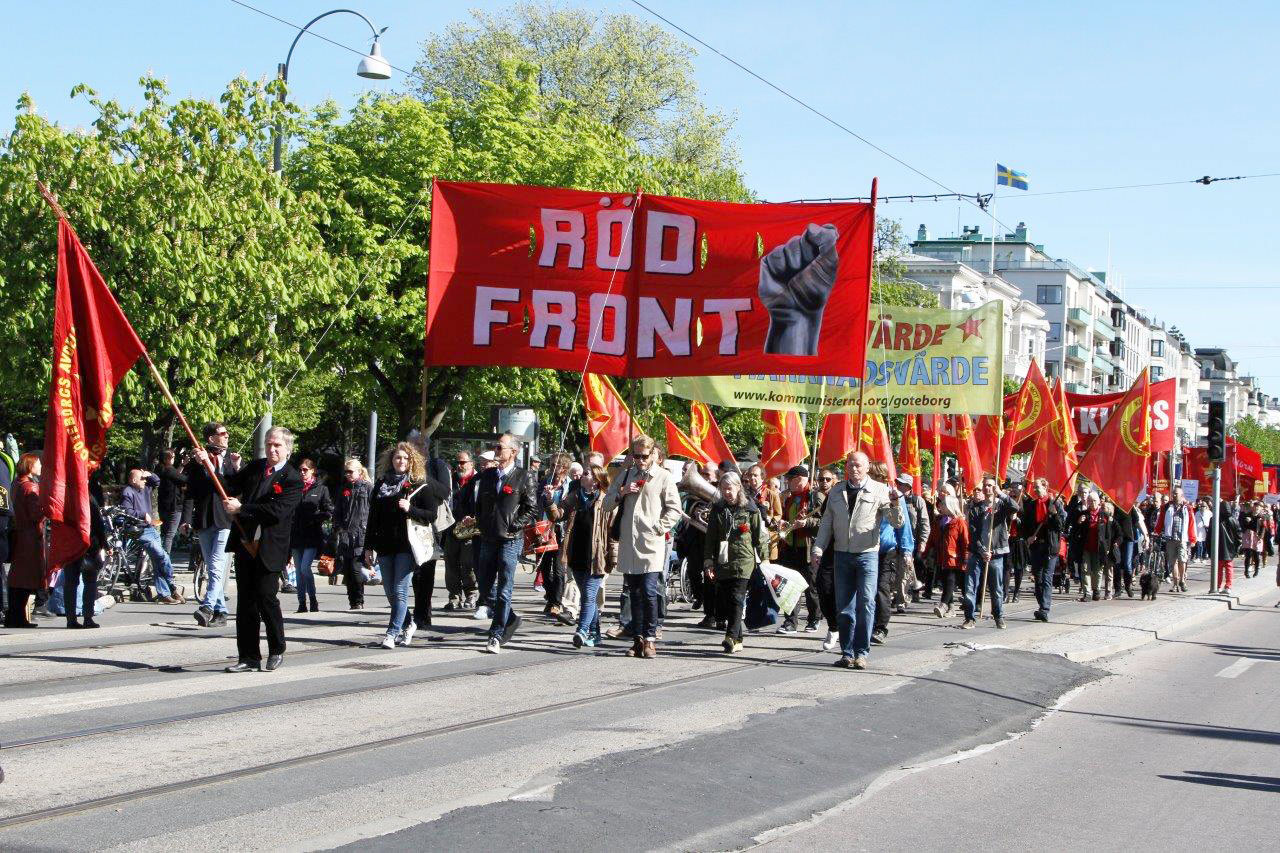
(1077, 95)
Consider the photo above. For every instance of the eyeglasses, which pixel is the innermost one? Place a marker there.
(639, 455)
(221, 432)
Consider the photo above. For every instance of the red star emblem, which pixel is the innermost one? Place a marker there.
(970, 327)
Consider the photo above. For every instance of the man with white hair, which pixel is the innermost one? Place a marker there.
(1179, 531)
(1092, 534)
(851, 524)
(262, 498)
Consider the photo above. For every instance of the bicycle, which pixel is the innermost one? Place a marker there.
(126, 569)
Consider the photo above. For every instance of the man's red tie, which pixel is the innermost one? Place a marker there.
(270, 471)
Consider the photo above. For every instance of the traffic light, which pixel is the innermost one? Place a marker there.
(1217, 428)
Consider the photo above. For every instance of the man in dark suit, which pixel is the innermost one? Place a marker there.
(506, 501)
(263, 497)
(210, 523)
(1041, 525)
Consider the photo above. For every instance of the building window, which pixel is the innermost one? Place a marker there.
(1157, 373)
(1049, 294)
(1052, 369)
(1157, 348)
(1055, 333)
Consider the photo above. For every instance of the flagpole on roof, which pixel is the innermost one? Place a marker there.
(991, 262)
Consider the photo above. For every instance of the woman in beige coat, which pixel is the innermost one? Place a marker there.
(647, 506)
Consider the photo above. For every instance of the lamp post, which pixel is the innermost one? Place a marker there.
(372, 66)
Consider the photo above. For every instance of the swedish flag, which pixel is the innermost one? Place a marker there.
(1009, 178)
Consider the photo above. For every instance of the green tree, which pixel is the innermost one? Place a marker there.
(197, 239)
(1264, 439)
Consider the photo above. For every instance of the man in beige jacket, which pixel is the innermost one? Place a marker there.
(851, 523)
(645, 496)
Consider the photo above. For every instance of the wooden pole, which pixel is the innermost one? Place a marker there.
(249, 546)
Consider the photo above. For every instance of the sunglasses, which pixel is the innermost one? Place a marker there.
(639, 455)
(221, 432)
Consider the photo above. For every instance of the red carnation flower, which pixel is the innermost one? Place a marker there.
(641, 482)
(346, 493)
(275, 487)
(405, 485)
(744, 528)
(507, 490)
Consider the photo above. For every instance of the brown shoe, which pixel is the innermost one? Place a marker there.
(637, 649)
(650, 649)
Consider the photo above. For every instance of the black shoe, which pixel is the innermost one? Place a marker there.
(74, 623)
(1041, 616)
(707, 622)
(302, 608)
(203, 615)
(315, 607)
(359, 606)
(513, 625)
(288, 588)
(844, 663)
(245, 666)
(89, 623)
(877, 637)
(274, 662)
(219, 620)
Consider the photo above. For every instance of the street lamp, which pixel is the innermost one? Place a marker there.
(372, 67)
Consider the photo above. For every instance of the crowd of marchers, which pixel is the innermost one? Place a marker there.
(865, 547)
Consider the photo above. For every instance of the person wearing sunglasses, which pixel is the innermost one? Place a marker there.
(648, 505)
(210, 522)
(350, 517)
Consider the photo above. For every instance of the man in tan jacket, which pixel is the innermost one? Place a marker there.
(648, 503)
(851, 523)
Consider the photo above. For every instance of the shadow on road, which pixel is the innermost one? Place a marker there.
(1270, 784)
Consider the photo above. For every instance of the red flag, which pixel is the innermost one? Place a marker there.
(955, 434)
(873, 439)
(909, 452)
(679, 444)
(1054, 457)
(929, 427)
(93, 348)
(784, 444)
(705, 432)
(835, 439)
(1117, 459)
(1034, 410)
(608, 419)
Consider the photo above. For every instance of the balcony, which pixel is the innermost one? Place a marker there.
(1104, 327)
(1103, 362)
(1077, 354)
(1078, 317)
(1077, 388)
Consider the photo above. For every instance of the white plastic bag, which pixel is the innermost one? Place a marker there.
(785, 585)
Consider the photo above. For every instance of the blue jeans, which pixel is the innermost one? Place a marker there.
(1124, 569)
(498, 559)
(995, 585)
(588, 612)
(302, 560)
(213, 547)
(644, 593)
(161, 568)
(1044, 563)
(397, 577)
(82, 574)
(856, 578)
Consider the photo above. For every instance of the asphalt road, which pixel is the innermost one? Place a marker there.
(133, 738)
(1179, 750)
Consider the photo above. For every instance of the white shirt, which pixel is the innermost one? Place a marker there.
(503, 472)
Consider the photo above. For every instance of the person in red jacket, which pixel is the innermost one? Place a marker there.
(949, 543)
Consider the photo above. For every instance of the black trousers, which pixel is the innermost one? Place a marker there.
(552, 577)
(825, 581)
(257, 608)
(797, 557)
(84, 569)
(731, 597)
(1014, 566)
(459, 565)
(948, 587)
(424, 586)
(349, 565)
(887, 583)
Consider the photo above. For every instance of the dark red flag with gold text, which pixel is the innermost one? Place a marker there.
(1117, 460)
(648, 285)
(93, 348)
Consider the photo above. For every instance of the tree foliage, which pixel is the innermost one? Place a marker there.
(192, 232)
(627, 74)
(1264, 439)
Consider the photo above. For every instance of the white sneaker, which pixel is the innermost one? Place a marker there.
(406, 636)
(831, 642)
(493, 646)
(389, 641)
(483, 613)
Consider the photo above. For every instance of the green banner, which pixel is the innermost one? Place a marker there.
(922, 360)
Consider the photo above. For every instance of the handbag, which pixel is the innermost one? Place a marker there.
(422, 537)
(324, 565)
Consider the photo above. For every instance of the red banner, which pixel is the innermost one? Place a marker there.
(540, 277)
(1091, 412)
(93, 348)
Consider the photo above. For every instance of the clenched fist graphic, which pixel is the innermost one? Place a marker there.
(795, 283)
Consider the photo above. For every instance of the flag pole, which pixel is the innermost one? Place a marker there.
(250, 547)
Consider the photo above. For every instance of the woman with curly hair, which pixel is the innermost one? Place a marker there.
(403, 491)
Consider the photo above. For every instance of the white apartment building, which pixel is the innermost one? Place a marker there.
(1219, 380)
(960, 286)
(1075, 302)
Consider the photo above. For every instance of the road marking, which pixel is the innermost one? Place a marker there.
(1237, 668)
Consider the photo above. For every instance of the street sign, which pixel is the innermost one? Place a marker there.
(1191, 490)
